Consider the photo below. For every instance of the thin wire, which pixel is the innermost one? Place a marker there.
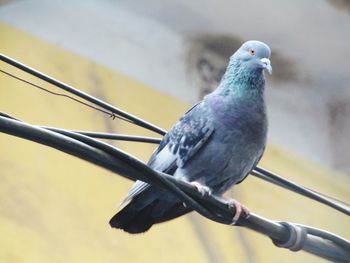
(135, 120)
(102, 135)
(278, 180)
(8, 116)
(120, 137)
(111, 114)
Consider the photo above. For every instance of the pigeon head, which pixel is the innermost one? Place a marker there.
(253, 56)
(246, 67)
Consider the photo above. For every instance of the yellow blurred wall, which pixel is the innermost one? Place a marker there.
(55, 207)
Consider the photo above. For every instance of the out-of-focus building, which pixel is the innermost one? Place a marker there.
(155, 58)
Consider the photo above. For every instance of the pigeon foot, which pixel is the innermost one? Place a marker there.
(239, 209)
(204, 190)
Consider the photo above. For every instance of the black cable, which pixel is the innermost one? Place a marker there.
(124, 164)
(331, 202)
(258, 172)
(111, 114)
(120, 137)
(103, 135)
(81, 94)
(156, 178)
(327, 235)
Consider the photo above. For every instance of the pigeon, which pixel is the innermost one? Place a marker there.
(214, 145)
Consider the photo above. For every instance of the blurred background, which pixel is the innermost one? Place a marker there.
(154, 59)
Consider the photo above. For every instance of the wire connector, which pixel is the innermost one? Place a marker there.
(297, 237)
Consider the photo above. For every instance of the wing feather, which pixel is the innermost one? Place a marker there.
(178, 146)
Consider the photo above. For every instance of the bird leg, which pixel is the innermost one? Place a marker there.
(239, 208)
(204, 190)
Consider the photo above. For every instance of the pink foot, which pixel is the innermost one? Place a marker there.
(204, 190)
(239, 208)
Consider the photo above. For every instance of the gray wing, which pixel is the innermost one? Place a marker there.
(178, 146)
(183, 141)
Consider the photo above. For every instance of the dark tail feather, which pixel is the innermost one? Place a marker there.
(134, 218)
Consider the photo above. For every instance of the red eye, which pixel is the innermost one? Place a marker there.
(252, 52)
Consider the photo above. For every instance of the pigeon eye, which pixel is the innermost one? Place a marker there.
(252, 52)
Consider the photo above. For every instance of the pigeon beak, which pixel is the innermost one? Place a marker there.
(266, 64)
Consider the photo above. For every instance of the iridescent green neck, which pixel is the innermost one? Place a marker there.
(241, 81)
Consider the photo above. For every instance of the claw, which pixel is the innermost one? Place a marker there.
(204, 190)
(239, 208)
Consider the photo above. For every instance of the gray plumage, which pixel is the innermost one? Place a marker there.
(216, 143)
